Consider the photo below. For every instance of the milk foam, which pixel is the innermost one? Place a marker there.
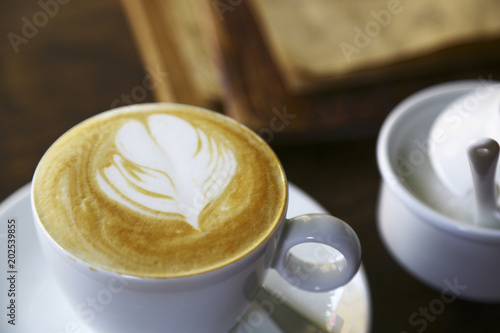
(153, 171)
(159, 190)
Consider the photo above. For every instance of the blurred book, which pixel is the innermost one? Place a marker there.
(316, 42)
(321, 68)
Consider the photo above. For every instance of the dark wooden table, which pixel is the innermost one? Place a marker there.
(79, 59)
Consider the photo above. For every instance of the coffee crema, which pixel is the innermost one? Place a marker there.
(159, 190)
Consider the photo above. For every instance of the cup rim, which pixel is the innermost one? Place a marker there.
(428, 215)
(281, 214)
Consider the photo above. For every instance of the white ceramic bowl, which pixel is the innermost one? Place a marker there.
(456, 258)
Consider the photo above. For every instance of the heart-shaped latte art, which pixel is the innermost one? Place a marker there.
(167, 166)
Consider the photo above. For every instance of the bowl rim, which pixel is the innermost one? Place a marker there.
(390, 178)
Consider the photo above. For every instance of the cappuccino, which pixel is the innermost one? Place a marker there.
(159, 190)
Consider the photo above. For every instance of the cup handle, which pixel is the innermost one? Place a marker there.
(322, 229)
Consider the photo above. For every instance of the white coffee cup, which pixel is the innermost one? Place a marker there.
(213, 301)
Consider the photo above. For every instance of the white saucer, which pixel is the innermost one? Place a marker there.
(40, 306)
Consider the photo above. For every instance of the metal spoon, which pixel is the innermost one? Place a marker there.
(483, 159)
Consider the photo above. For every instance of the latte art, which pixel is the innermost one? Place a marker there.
(153, 172)
(159, 190)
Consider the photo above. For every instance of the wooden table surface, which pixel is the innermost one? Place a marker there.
(79, 59)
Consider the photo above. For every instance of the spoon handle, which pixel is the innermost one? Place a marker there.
(483, 158)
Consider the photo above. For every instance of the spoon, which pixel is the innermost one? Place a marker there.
(284, 316)
(483, 159)
(473, 116)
